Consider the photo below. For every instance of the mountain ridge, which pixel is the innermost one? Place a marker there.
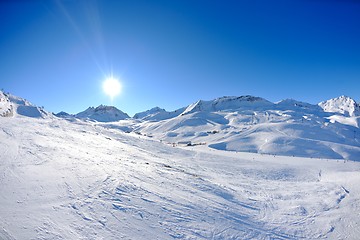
(245, 123)
(232, 103)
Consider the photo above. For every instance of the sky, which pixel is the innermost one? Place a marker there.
(169, 54)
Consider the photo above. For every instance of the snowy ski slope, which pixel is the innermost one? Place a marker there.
(79, 179)
(76, 180)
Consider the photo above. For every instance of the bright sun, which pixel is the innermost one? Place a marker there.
(111, 87)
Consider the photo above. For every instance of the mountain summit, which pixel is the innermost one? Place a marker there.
(343, 104)
(227, 103)
(103, 113)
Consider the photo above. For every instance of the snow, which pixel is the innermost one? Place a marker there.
(102, 113)
(329, 129)
(227, 103)
(64, 179)
(157, 114)
(245, 124)
(251, 124)
(351, 121)
(130, 178)
(343, 104)
(6, 108)
(11, 105)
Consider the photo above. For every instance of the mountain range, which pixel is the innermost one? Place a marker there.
(210, 170)
(329, 129)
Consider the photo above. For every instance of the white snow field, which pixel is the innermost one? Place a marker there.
(253, 124)
(74, 179)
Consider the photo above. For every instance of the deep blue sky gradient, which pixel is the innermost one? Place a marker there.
(172, 53)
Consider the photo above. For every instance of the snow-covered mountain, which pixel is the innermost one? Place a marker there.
(158, 114)
(64, 179)
(63, 114)
(149, 113)
(291, 104)
(253, 124)
(246, 123)
(11, 105)
(227, 103)
(102, 113)
(343, 104)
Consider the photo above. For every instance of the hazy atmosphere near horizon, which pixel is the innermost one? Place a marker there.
(172, 53)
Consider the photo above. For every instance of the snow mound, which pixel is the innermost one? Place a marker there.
(343, 104)
(102, 113)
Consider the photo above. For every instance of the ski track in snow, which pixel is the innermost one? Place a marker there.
(77, 180)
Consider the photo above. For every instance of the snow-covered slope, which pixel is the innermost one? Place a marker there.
(291, 104)
(246, 123)
(149, 113)
(63, 114)
(252, 124)
(11, 105)
(103, 113)
(63, 179)
(74, 179)
(157, 114)
(6, 109)
(343, 104)
(227, 103)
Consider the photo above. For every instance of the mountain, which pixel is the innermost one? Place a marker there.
(11, 105)
(227, 103)
(291, 104)
(64, 179)
(158, 114)
(63, 114)
(102, 113)
(149, 113)
(253, 124)
(343, 104)
(241, 124)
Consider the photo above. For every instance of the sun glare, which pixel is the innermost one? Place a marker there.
(111, 87)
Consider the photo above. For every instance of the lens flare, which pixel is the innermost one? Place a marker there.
(112, 87)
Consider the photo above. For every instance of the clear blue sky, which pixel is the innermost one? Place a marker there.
(171, 53)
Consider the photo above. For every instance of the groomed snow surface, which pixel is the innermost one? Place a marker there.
(63, 179)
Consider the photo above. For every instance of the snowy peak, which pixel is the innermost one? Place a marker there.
(230, 103)
(227, 103)
(343, 104)
(149, 113)
(63, 114)
(157, 114)
(11, 105)
(103, 113)
(290, 104)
